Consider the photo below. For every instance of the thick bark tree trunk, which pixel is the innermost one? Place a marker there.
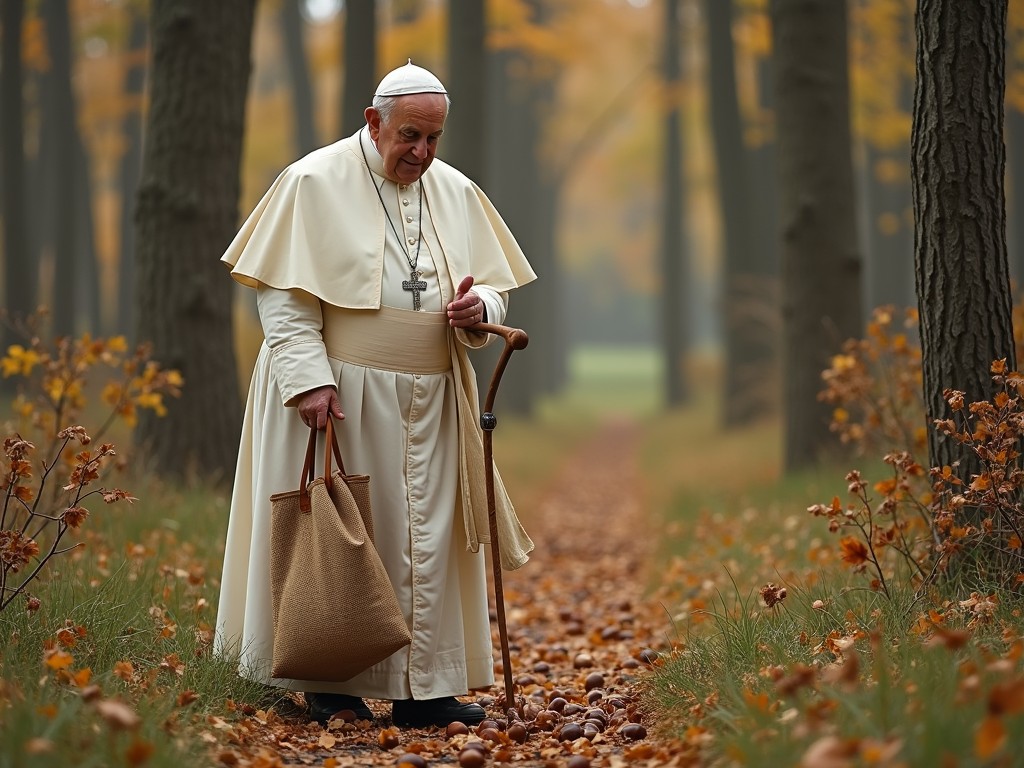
(957, 162)
(821, 281)
(187, 215)
(131, 163)
(512, 186)
(463, 145)
(20, 272)
(91, 294)
(298, 75)
(747, 355)
(57, 150)
(673, 253)
(360, 62)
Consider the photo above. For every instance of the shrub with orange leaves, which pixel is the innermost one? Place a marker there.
(37, 511)
(979, 525)
(31, 533)
(974, 529)
(889, 536)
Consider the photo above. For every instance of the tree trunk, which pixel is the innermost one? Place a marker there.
(673, 255)
(298, 75)
(747, 353)
(512, 186)
(1015, 179)
(57, 151)
(90, 294)
(957, 163)
(187, 215)
(131, 163)
(764, 168)
(404, 11)
(465, 129)
(821, 281)
(360, 46)
(20, 273)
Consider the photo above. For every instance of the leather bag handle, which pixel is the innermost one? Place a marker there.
(309, 460)
(332, 440)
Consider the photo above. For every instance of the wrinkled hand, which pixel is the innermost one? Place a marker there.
(315, 404)
(468, 308)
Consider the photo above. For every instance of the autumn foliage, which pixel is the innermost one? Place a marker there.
(915, 523)
(46, 492)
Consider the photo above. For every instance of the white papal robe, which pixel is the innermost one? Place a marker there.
(408, 431)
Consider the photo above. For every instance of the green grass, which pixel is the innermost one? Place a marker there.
(139, 597)
(734, 523)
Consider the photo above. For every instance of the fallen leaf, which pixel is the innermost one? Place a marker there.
(118, 715)
(989, 737)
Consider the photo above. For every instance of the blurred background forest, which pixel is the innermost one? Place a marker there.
(630, 145)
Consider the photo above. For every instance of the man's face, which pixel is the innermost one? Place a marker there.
(408, 140)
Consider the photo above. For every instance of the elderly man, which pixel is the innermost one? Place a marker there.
(373, 262)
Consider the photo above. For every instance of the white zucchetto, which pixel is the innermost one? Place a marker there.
(409, 79)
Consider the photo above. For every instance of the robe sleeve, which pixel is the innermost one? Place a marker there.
(292, 325)
(497, 305)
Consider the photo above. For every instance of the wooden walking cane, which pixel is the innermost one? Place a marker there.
(514, 339)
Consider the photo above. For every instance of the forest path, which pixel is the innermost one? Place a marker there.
(578, 619)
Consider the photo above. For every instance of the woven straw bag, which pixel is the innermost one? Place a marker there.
(335, 611)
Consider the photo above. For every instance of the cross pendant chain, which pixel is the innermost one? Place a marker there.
(415, 285)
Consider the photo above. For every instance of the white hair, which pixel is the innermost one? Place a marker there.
(385, 106)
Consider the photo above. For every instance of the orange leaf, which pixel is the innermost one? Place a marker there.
(138, 752)
(989, 737)
(758, 701)
(981, 483)
(59, 660)
(1006, 698)
(886, 486)
(854, 552)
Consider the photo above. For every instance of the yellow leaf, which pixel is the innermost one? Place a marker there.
(327, 740)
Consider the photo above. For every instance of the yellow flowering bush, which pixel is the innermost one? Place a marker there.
(38, 510)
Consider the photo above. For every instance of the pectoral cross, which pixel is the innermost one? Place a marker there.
(415, 285)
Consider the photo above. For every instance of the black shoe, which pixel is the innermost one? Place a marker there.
(323, 706)
(410, 713)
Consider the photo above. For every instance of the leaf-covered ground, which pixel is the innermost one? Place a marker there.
(581, 634)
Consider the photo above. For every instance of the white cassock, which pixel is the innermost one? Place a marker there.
(405, 388)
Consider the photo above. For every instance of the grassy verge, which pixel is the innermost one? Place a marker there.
(115, 667)
(834, 673)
